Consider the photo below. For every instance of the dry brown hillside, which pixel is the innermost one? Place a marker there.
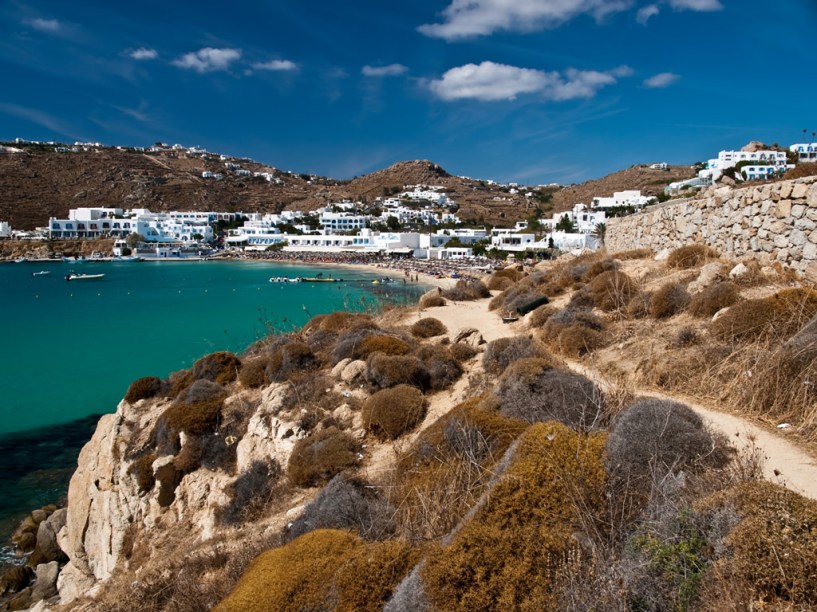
(650, 182)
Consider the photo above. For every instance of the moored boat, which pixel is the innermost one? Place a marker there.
(74, 277)
(40, 273)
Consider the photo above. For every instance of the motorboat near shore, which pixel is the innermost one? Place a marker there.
(319, 278)
(41, 273)
(85, 277)
(284, 279)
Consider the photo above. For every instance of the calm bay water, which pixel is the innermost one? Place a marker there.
(70, 349)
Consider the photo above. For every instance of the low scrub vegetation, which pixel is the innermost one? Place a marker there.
(712, 299)
(384, 371)
(197, 411)
(691, 256)
(774, 317)
(428, 327)
(611, 290)
(501, 353)
(220, 368)
(143, 388)
(574, 333)
(253, 372)
(466, 290)
(390, 413)
(669, 300)
(320, 456)
(252, 492)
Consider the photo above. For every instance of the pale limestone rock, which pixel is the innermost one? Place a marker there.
(810, 251)
(805, 224)
(344, 415)
(811, 197)
(353, 371)
(783, 209)
(662, 255)
(73, 583)
(719, 314)
(339, 367)
(785, 190)
(738, 271)
(469, 336)
(797, 211)
(267, 437)
(47, 535)
(780, 241)
(709, 275)
(45, 584)
(797, 238)
(799, 191)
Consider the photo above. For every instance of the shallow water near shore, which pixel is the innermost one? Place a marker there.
(70, 349)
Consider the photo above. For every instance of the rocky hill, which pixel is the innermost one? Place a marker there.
(650, 182)
(38, 183)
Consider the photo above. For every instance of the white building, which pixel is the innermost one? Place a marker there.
(622, 199)
(806, 152)
(509, 239)
(729, 159)
(5, 229)
(658, 166)
(332, 222)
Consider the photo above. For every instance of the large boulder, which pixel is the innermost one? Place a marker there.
(470, 336)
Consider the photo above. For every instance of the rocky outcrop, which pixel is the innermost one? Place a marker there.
(775, 222)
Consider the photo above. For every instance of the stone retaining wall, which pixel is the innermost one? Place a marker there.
(777, 221)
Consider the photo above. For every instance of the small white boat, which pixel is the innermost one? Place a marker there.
(41, 273)
(20, 260)
(73, 277)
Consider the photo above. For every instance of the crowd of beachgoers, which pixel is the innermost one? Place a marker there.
(411, 268)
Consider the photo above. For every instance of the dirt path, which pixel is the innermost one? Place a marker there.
(783, 461)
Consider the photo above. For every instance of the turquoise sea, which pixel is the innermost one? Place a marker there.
(70, 349)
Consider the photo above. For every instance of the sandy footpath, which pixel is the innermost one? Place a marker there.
(784, 462)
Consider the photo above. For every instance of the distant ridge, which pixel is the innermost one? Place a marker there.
(39, 183)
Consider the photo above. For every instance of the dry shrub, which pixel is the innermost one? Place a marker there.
(321, 342)
(605, 265)
(686, 336)
(392, 412)
(447, 468)
(581, 300)
(500, 283)
(383, 371)
(713, 298)
(467, 290)
(462, 352)
(367, 578)
(221, 368)
(633, 254)
(253, 372)
(654, 438)
(513, 273)
(777, 316)
(611, 290)
(321, 455)
(639, 305)
(292, 358)
(428, 328)
(770, 557)
(252, 492)
(431, 300)
(350, 503)
(142, 470)
(500, 353)
(507, 555)
(686, 369)
(691, 256)
(670, 299)
(197, 410)
(208, 451)
(388, 345)
(343, 321)
(348, 343)
(574, 332)
(516, 297)
(143, 388)
(443, 368)
(540, 316)
(801, 170)
(535, 391)
(297, 576)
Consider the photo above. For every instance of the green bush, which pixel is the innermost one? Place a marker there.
(428, 328)
(392, 412)
(143, 388)
(320, 456)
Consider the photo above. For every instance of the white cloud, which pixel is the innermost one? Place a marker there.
(45, 25)
(469, 18)
(661, 80)
(143, 53)
(646, 12)
(696, 5)
(489, 81)
(208, 59)
(384, 71)
(275, 65)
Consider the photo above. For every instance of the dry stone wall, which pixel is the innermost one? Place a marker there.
(776, 221)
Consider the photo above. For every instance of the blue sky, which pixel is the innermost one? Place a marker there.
(533, 91)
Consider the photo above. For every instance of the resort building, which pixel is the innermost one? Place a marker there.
(806, 152)
(729, 159)
(622, 199)
(332, 222)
